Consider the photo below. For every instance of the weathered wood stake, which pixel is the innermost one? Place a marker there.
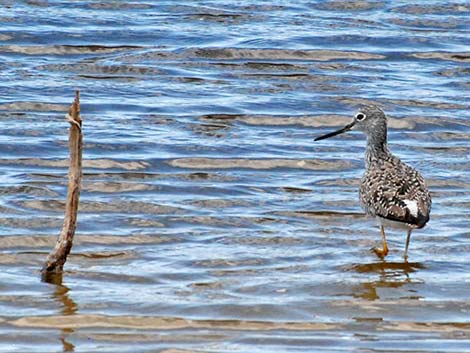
(56, 259)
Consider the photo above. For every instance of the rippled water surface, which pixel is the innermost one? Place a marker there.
(209, 220)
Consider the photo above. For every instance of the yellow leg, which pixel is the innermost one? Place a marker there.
(408, 236)
(384, 251)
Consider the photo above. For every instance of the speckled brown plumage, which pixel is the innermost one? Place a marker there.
(386, 186)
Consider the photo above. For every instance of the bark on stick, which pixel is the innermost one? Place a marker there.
(56, 259)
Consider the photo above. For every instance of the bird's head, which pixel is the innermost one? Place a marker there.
(368, 119)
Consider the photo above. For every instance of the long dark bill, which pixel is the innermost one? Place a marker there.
(337, 132)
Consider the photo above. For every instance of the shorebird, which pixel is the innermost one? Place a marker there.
(391, 191)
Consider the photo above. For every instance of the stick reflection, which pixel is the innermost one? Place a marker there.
(68, 306)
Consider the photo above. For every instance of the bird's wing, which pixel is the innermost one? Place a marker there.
(396, 192)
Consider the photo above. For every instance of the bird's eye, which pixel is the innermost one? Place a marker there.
(360, 116)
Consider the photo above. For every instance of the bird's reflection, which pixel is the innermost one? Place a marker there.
(391, 275)
(68, 306)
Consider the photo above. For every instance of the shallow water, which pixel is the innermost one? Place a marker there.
(209, 219)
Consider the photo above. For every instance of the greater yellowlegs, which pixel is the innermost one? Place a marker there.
(392, 191)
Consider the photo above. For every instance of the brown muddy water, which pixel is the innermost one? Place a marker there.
(209, 219)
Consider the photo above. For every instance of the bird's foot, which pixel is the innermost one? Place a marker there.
(381, 252)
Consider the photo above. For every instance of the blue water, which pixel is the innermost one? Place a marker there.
(210, 221)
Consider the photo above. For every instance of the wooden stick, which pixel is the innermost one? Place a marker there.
(56, 259)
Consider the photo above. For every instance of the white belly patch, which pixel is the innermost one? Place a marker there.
(412, 206)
